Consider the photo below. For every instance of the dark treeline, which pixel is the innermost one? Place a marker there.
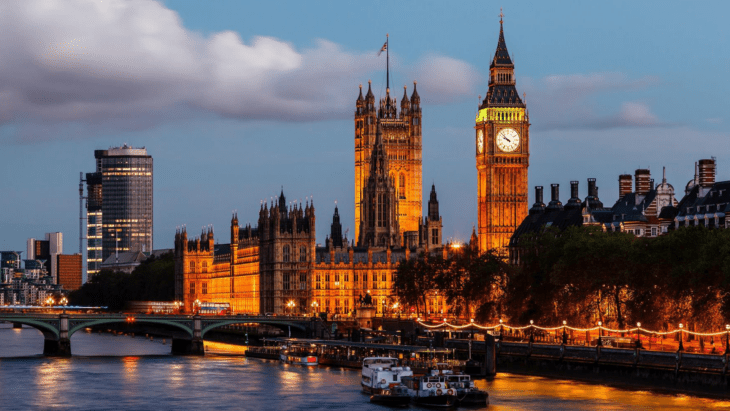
(471, 283)
(153, 280)
(584, 275)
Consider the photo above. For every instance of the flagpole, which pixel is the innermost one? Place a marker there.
(387, 63)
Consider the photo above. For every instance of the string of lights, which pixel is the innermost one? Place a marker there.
(637, 329)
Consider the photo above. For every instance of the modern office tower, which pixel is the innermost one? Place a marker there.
(93, 224)
(47, 250)
(119, 204)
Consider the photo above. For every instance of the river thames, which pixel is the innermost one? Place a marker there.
(111, 372)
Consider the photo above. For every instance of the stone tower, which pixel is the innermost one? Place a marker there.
(432, 227)
(379, 225)
(502, 136)
(402, 141)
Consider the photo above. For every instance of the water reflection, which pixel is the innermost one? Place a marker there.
(143, 379)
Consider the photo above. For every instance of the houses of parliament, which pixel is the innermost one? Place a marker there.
(277, 266)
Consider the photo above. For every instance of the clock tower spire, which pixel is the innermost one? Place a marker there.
(502, 153)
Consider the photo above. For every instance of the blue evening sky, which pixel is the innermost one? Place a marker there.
(236, 99)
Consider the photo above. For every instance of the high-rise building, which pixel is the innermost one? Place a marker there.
(502, 134)
(119, 204)
(47, 250)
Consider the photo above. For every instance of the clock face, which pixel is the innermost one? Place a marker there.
(480, 141)
(508, 140)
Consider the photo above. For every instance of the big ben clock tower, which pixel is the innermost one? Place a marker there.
(502, 146)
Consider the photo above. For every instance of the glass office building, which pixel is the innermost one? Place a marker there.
(119, 204)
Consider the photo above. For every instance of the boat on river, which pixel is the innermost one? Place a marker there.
(396, 395)
(431, 390)
(300, 354)
(382, 373)
(466, 392)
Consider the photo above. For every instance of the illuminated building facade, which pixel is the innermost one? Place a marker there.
(277, 267)
(502, 137)
(119, 207)
(401, 137)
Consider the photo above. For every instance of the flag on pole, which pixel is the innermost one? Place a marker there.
(382, 49)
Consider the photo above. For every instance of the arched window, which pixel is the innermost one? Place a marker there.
(192, 267)
(402, 186)
(286, 253)
(303, 253)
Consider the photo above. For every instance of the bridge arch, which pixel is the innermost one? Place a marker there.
(176, 324)
(48, 330)
(210, 325)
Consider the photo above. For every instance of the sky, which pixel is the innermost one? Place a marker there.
(235, 100)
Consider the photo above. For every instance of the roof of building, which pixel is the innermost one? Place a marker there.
(715, 200)
(126, 258)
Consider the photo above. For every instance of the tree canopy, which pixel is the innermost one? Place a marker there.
(153, 280)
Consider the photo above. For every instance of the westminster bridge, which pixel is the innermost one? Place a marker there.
(189, 330)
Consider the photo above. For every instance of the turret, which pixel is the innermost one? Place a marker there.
(433, 205)
(415, 98)
(405, 104)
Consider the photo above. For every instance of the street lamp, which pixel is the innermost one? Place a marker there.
(532, 332)
(638, 339)
(565, 336)
(727, 339)
(600, 331)
(291, 305)
(196, 306)
(681, 345)
(501, 331)
(314, 307)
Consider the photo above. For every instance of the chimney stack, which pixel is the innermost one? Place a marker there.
(624, 185)
(539, 206)
(643, 181)
(555, 203)
(574, 201)
(707, 173)
(592, 189)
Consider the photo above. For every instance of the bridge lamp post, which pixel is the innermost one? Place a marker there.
(501, 331)
(315, 305)
(196, 306)
(600, 331)
(638, 336)
(681, 345)
(727, 339)
(565, 336)
(532, 332)
(291, 305)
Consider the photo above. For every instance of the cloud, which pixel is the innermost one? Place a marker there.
(570, 101)
(129, 65)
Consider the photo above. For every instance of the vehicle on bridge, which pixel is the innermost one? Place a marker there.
(214, 308)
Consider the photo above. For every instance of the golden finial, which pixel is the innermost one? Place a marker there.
(501, 15)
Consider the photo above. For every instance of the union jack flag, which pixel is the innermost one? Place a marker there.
(382, 49)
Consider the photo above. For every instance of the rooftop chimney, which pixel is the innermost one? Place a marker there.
(555, 204)
(539, 206)
(592, 200)
(624, 185)
(643, 183)
(574, 201)
(707, 173)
